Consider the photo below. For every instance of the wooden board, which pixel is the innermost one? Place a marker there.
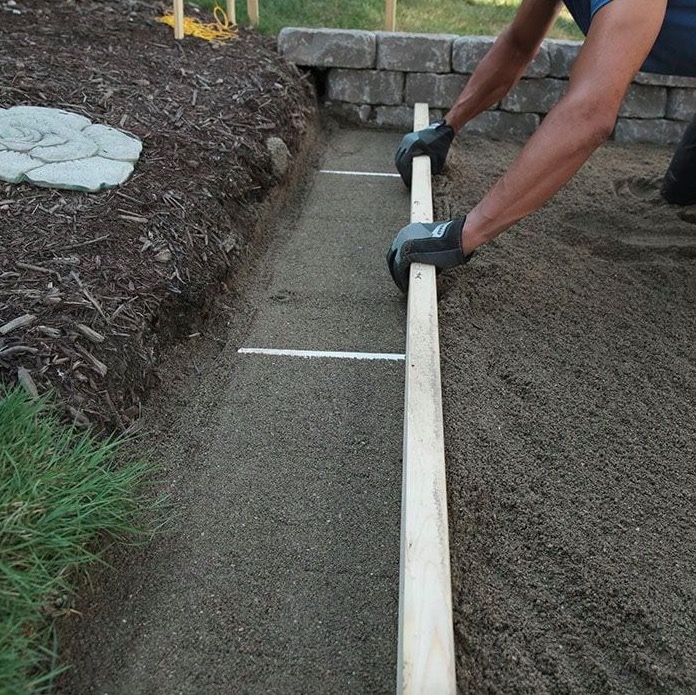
(426, 636)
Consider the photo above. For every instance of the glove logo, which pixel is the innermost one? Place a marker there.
(439, 231)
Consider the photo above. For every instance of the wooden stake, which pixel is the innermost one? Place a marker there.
(178, 19)
(253, 11)
(426, 635)
(390, 15)
(231, 12)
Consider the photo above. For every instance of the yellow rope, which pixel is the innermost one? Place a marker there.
(218, 32)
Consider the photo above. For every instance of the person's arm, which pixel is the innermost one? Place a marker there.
(495, 75)
(620, 38)
(505, 63)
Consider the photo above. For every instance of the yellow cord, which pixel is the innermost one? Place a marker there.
(218, 32)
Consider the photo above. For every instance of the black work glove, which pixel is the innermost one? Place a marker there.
(434, 243)
(435, 141)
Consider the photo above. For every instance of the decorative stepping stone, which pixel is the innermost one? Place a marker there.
(53, 148)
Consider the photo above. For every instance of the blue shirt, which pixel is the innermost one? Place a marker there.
(674, 52)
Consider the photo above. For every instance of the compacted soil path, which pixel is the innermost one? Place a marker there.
(280, 570)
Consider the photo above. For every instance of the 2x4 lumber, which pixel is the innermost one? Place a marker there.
(426, 636)
(390, 15)
(231, 12)
(178, 19)
(253, 11)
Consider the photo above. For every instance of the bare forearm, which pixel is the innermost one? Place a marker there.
(493, 78)
(563, 142)
(619, 39)
(507, 60)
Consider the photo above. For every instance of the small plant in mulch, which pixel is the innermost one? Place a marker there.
(62, 499)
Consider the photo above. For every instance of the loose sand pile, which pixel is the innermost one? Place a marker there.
(569, 373)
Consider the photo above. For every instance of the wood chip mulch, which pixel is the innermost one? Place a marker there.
(94, 286)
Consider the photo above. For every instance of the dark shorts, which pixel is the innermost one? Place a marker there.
(679, 185)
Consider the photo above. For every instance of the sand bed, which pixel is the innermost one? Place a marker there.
(569, 376)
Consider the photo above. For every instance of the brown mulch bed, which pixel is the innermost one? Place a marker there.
(108, 280)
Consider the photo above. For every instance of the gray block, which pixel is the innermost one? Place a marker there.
(655, 132)
(400, 117)
(414, 52)
(467, 52)
(681, 104)
(503, 126)
(562, 55)
(534, 96)
(356, 114)
(644, 101)
(328, 47)
(439, 91)
(541, 65)
(365, 86)
(664, 80)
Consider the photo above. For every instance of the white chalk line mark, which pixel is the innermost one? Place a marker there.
(358, 173)
(389, 356)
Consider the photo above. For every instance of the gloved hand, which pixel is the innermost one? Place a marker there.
(435, 243)
(435, 141)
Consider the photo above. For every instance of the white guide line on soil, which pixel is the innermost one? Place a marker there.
(359, 173)
(388, 356)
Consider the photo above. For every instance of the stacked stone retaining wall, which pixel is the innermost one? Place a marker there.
(374, 78)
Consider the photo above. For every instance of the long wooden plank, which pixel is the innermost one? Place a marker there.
(426, 637)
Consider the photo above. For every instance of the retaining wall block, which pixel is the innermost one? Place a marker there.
(400, 117)
(664, 80)
(562, 55)
(681, 104)
(433, 69)
(414, 52)
(393, 117)
(467, 52)
(359, 114)
(328, 47)
(503, 126)
(439, 91)
(534, 96)
(365, 86)
(541, 65)
(655, 132)
(644, 101)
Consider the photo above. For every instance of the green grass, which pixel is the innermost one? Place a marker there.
(462, 17)
(63, 496)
